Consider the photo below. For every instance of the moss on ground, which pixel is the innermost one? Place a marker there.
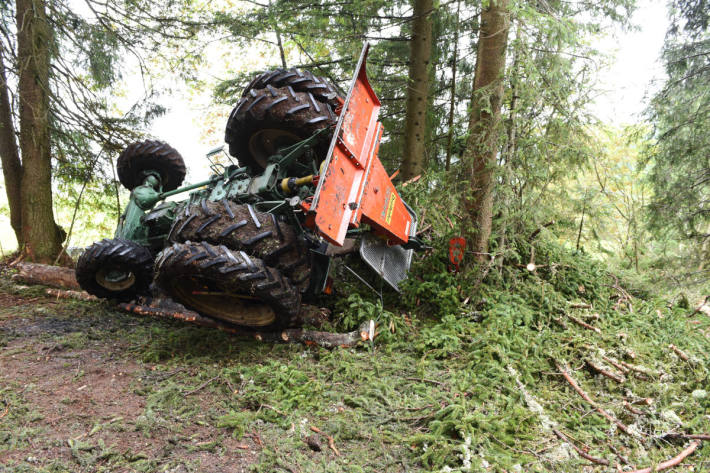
(463, 378)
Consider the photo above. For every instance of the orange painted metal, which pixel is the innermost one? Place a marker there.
(354, 187)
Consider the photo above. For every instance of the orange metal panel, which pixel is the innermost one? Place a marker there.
(354, 184)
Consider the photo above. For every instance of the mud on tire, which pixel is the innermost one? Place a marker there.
(204, 277)
(115, 269)
(241, 227)
(272, 118)
(150, 155)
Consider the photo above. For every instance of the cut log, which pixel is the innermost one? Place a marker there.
(78, 295)
(55, 276)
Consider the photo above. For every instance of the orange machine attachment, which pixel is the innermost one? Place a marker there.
(354, 187)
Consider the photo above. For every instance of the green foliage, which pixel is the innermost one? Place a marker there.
(238, 421)
(679, 113)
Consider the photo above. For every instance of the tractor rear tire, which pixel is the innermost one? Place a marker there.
(227, 285)
(301, 81)
(115, 269)
(272, 118)
(150, 155)
(240, 227)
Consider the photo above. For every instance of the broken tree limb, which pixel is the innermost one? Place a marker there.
(632, 409)
(582, 323)
(331, 441)
(683, 356)
(534, 234)
(641, 370)
(672, 462)
(582, 453)
(593, 403)
(603, 372)
(66, 294)
(56, 276)
(615, 364)
(705, 437)
(580, 305)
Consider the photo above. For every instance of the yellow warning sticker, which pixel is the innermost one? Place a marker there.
(390, 208)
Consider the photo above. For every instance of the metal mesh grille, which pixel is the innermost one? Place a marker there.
(390, 262)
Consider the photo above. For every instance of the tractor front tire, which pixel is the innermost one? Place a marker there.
(150, 155)
(240, 227)
(115, 269)
(272, 118)
(227, 285)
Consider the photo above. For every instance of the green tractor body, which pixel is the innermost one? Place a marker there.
(247, 245)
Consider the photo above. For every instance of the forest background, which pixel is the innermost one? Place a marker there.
(588, 92)
(586, 205)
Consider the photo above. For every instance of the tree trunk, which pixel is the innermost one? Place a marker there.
(415, 122)
(40, 234)
(10, 156)
(484, 126)
(452, 104)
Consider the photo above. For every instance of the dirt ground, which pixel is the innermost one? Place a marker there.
(78, 400)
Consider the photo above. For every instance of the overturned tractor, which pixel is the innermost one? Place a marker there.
(252, 242)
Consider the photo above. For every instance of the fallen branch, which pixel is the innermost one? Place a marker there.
(688, 436)
(632, 409)
(201, 386)
(65, 294)
(596, 406)
(640, 369)
(703, 307)
(603, 372)
(683, 356)
(582, 323)
(56, 276)
(7, 409)
(538, 230)
(582, 453)
(331, 441)
(615, 364)
(672, 462)
(616, 452)
(426, 380)
(580, 305)
(647, 401)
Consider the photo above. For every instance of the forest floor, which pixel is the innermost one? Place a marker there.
(84, 387)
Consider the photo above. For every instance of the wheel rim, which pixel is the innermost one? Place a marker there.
(265, 143)
(115, 280)
(202, 296)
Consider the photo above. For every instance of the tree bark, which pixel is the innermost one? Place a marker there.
(40, 234)
(32, 273)
(10, 156)
(452, 104)
(414, 158)
(484, 126)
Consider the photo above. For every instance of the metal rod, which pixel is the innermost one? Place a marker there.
(186, 188)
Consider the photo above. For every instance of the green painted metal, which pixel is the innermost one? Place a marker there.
(148, 216)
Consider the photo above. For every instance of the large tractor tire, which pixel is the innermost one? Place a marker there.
(115, 269)
(150, 155)
(240, 227)
(227, 285)
(272, 118)
(301, 81)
